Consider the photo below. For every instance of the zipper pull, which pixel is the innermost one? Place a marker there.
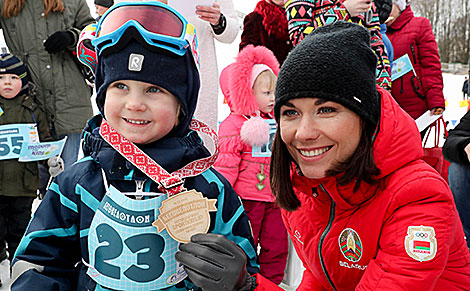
(139, 188)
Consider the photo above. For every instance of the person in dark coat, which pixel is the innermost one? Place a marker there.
(267, 26)
(19, 181)
(465, 89)
(456, 150)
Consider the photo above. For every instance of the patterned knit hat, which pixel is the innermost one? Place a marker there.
(10, 64)
(335, 63)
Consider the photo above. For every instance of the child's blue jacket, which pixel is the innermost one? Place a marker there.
(53, 250)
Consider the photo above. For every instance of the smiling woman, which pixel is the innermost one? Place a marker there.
(346, 170)
(319, 134)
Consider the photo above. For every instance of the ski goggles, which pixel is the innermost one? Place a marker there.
(158, 24)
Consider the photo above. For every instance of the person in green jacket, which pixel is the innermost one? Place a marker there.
(43, 34)
(18, 180)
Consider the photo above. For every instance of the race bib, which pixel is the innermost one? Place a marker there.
(12, 137)
(126, 252)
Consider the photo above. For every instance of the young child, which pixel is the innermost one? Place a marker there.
(248, 86)
(18, 181)
(267, 26)
(94, 229)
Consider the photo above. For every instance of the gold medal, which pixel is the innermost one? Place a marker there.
(185, 214)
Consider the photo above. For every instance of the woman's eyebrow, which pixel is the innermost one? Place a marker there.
(320, 101)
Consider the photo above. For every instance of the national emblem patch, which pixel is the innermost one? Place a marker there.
(350, 245)
(421, 243)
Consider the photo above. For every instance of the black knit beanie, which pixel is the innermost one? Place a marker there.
(104, 3)
(177, 74)
(10, 64)
(336, 63)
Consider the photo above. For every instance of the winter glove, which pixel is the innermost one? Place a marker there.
(58, 41)
(215, 263)
(56, 166)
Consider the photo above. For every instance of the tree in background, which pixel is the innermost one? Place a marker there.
(450, 20)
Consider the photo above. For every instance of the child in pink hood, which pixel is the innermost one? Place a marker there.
(248, 86)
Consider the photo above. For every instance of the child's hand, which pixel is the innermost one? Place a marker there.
(214, 263)
(356, 7)
(210, 14)
(56, 166)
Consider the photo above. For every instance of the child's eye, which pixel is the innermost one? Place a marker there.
(267, 93)
(324, 110)
(121, 86)
(154, 90)
(15, 77)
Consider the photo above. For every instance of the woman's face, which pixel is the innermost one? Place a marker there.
(318, 134)
(393, 15)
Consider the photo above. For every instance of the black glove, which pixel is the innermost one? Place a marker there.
(215, 263)
(58, 41)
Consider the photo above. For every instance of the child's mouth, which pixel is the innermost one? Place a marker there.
(138, 122)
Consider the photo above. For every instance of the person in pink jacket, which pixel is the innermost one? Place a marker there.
(248, 86)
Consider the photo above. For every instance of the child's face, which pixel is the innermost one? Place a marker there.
(10, 85)
(100, 10)
(141, 112)
(263, 89)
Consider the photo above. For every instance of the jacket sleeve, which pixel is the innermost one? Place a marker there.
(457, 140)
(231, 220)
(384, 73)
(49, 251)
(230, 151)
(301, 23)
(252, 25)
(430, 64)
(232, 28)
(425, 202)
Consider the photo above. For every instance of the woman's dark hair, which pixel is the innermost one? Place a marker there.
(359, 167)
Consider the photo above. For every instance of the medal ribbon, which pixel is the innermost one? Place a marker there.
(168, 183)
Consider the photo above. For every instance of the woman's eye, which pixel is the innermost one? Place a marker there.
(154, 90)
(323, 110)
(289, 112)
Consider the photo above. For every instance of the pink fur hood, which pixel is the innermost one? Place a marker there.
(235, 79)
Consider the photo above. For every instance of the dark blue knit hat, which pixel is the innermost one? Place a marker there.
(10, 64)
(177, 74)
